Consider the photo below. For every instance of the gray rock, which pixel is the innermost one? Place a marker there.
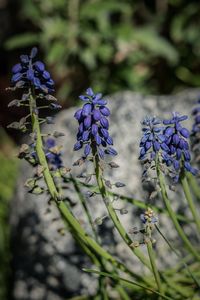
(47, 265)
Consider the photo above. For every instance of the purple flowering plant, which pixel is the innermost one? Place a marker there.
(164, 149)
(93, 130)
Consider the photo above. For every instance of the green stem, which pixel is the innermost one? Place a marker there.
(190, 202)
(85, 207)
(127, 282)
(122, 292)
(106, 198)
(194, 185)
(173, 215)
(153, 265)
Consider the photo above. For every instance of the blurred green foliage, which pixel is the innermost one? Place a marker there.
(147, 46)
(8, 174)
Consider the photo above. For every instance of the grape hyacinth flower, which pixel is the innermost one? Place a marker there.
(93, 126)
(149, 217)
(195, 135)
(177, 154)
(196, 114)
(53, 154)
(153, 139)
(31, 72)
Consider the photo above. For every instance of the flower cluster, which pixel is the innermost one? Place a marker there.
(196, 114)
(153, 139)
(31, 72)
(178, 153)
(170, 141)
(195, 136)
(149, 217)
(93, 126)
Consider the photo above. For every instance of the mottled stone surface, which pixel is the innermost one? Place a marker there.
(47, 265)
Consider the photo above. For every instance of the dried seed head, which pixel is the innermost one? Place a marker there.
(135, 244)
(123, 211)
(112, 164)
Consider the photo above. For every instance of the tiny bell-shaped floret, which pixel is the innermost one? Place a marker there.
(149, 217)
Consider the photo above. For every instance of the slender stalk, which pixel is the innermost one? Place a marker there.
(128, 283)
(122, 292)
(85, 207)
(190, 202)
(173, 215)
(102, 288)
(148, 232)
(194, 185)
(106, 198)
(153, 265)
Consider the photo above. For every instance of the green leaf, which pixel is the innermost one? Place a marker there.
(56, 53)
(37, 190)
(157, 44)
(150, 40)
(105, 52)
(22, 40)
(98, 8)
(88, 58)
(126, 282)
(31, 10)
(54, 27)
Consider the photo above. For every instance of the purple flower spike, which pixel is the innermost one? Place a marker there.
(178, 153)
(93, 125)
(169, 141)
(195, 135)
(32, 73)
(152, 138)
